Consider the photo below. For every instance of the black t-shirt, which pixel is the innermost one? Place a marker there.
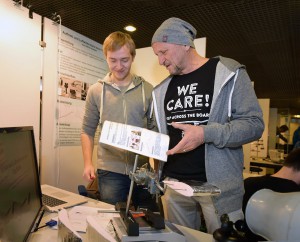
(188, 100)
(276, 184)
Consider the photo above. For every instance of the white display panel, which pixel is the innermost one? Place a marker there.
(20, 63)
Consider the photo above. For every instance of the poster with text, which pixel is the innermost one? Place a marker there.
(81, 64)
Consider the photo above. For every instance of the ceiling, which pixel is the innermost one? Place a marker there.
(262, 34)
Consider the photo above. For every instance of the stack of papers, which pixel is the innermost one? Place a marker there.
(97, 232)
(135, 139)
(95, 222)
(66, 232)
(78, 216)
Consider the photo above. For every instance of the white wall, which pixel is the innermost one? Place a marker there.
(20, 64)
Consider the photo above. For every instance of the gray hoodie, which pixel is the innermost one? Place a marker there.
(105, 101)
(235, 119)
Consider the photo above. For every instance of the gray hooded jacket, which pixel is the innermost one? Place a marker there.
(105, 101)
(235, 119)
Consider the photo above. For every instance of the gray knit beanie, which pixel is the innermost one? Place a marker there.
(175, 31)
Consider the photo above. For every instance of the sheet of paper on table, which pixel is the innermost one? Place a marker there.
(66, 232)
(97, 230)
(78, 216)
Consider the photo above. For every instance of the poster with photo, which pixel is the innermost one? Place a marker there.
(81, 64)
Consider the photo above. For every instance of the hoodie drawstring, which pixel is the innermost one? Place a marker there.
(230, 95)
(144, 97)
(101, 104)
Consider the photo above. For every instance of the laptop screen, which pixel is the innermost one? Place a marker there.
(20, 192)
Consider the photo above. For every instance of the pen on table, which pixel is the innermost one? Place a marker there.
(107, 211)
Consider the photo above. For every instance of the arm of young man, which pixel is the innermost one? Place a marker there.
(87, 143)
(89, 126)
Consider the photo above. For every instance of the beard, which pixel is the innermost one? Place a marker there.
(173, 68)
(176, 70)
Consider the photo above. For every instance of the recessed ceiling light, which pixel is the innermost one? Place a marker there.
(130, 28)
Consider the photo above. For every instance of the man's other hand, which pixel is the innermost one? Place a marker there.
(192, 138)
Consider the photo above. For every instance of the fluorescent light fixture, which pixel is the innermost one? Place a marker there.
(130, 28)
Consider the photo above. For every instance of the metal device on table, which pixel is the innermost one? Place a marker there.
(227, 232)
(143, 224)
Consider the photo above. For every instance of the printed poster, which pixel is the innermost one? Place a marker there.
(81, 64)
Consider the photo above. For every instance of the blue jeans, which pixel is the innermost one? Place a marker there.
(114, 187)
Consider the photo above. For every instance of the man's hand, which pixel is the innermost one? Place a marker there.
(192, 138)
(89, 173)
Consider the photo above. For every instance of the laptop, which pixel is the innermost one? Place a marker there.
(18, 148)
(21, 203)
(55, 199)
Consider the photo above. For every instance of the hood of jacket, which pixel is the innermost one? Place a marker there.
(136, 81)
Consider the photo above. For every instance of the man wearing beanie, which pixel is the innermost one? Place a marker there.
(209, 109)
